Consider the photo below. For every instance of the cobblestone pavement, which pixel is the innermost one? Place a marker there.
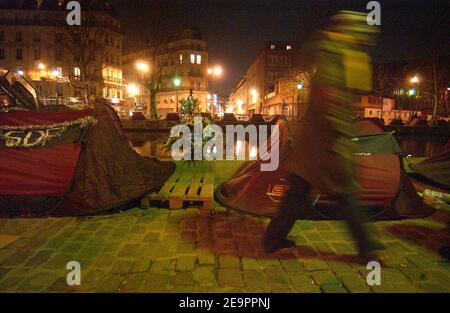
(190, 250)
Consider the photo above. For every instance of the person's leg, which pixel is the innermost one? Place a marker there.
(349, 212)
(296, 196)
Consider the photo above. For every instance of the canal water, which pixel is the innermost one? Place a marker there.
(151, 144)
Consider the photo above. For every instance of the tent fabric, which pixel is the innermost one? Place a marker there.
(45, 171)
(436, 168)
(80, 172)
(386, 191)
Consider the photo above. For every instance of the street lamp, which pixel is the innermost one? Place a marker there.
(299, 87)
(177, 84)
(215, 71)
(132, 89)
(142, 67)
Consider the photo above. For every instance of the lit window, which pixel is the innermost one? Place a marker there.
(288, 47)
(193, 58)
(199, 59)
(181, 59)
(77, 72)
(272, 47)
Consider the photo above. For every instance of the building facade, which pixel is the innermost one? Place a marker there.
(180, 65)
(272, 63)
(36, 41)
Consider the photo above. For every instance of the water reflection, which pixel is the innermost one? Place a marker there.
(151, 144)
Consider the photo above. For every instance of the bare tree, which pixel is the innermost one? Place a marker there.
(87, 47)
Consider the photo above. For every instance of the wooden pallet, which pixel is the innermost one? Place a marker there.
(184, 187)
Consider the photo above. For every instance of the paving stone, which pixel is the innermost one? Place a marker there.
(157, 281)
(315, 265)
(39, 258)
(303, 283)
(228, 277)
(333, 288)
(206, 258)
(293, 266)
(325, 278)
(121, 267)
(354, 283)
(255, 281)
(185, 263)
(133, 282)
(205, 276)
(58, 261)
(227, 261)
(129, 250)
(276, 277)
(250, 264)
(152, 237)
(141, 265)
(110, 283)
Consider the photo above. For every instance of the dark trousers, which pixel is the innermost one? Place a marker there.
(296, 197)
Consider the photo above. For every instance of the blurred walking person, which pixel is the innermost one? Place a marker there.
(323, 152)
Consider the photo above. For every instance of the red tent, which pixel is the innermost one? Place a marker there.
(387, 191)
(71, 163)
(436, 168)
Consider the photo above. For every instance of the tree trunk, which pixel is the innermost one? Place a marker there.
(435, 93)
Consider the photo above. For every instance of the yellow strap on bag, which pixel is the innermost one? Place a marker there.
(358, 70)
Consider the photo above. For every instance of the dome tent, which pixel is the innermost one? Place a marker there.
(84, 165)
(387, 191)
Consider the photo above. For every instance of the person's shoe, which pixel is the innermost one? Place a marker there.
(371, 252)
(445, 252)
(284, 245)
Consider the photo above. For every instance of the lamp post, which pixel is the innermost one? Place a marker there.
(177, 84)
(213, 72)
(412, 92)
(143, 68)
(299, 87)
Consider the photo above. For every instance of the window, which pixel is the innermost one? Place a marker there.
(181, 59)
(36, 37)
(199, 59)
(37, 54)
(59, 70)
(288, 47)
(77, 72)
(59, 90)
(199, 85)
(58, 37)
(272, 47)
(20, 70)
(193, 58)
(18, 36)
(58, 54)
(92, 90)
(2, 35)
(2, 53)
(191, 84)
(19, 54)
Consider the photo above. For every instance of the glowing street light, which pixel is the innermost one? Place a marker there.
(177, 82)
(215, 71)
(253, 92)
(142, 67)
(132, 90)
(41, 66)
(299, 86)
(411, 92)
(415, 79)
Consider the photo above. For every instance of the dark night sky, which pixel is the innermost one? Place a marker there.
(236, 30)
